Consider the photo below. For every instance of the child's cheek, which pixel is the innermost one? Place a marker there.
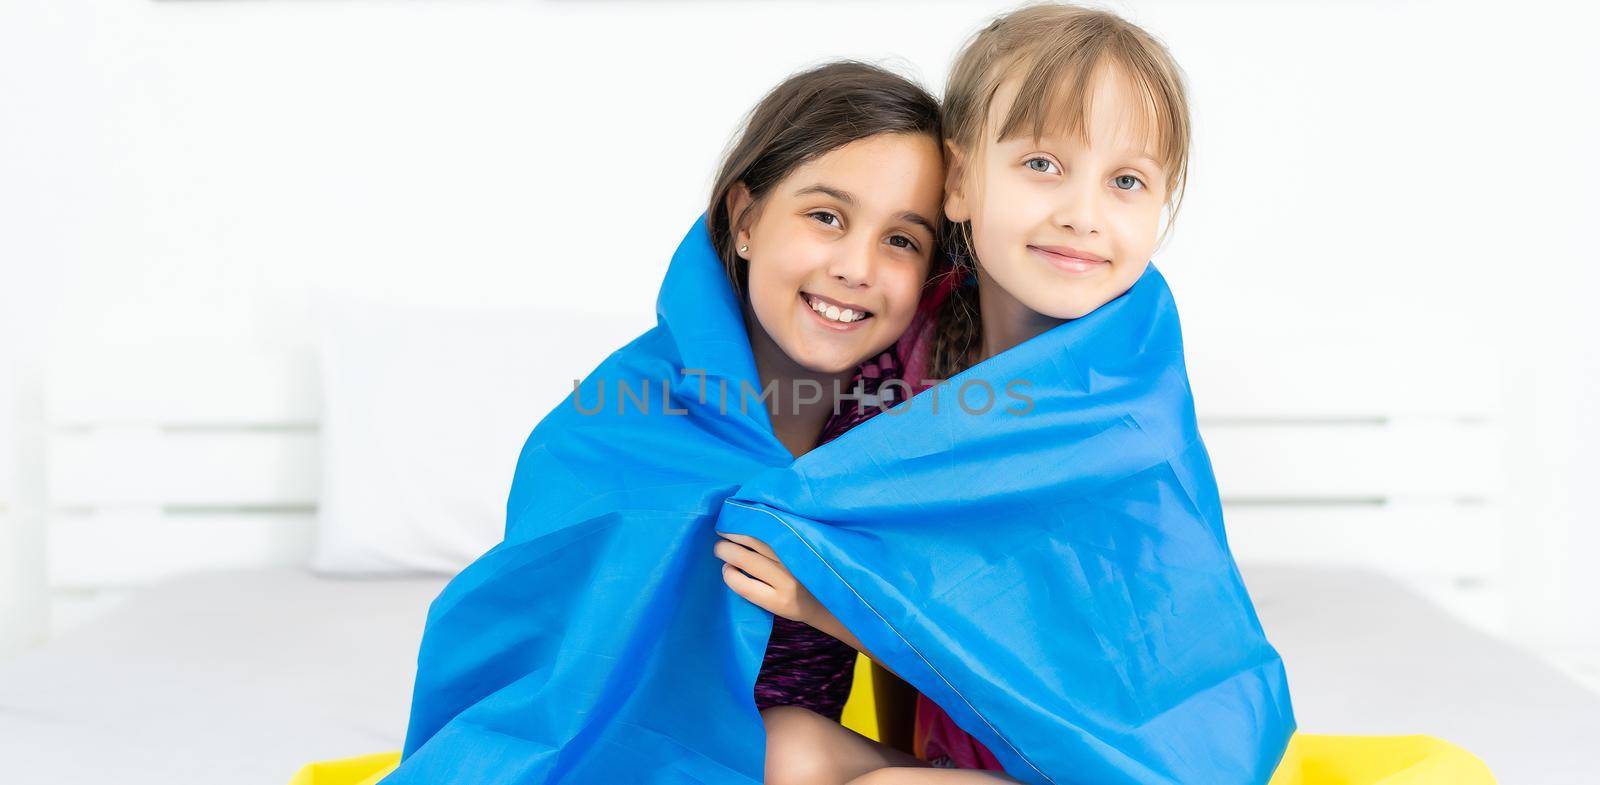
(1146, 228)
(1009, 210)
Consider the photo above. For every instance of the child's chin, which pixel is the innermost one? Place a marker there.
(1068, 305)
(839, 365)
(828, 363)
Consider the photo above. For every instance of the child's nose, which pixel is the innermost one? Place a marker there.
(853, 263)
(1079, 208)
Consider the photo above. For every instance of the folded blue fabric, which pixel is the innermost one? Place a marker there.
(1051, 568)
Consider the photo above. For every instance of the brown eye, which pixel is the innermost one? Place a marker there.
(825, 214)
(909, 243)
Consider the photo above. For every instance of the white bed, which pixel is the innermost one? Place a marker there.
(192, 494)
(223, 677)
(242, 676)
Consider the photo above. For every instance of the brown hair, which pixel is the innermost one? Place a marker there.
(809, 115)
(1056, 51)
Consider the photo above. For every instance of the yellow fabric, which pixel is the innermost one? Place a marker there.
(1378, 760)
(860, 710)
(363, 770)
(1309, 760)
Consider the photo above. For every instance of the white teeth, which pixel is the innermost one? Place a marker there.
(835, 314)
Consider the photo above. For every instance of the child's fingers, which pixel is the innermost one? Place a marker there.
(759, 567)
(749, 588)
(752, 543)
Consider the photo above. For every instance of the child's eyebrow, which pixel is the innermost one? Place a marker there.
(819, 188)
(908, 216)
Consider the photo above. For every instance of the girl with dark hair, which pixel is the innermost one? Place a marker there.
(825, 217)
(826, 213)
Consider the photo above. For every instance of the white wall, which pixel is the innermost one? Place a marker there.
(24, 586)
(180, 170)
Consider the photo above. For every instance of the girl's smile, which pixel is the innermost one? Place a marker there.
(1069, 260)
(835, 315)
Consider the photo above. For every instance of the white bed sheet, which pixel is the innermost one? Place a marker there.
(225, 677)
(1366, 655)
(241, 677)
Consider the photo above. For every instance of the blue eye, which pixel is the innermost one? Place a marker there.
(1046, 161)
(1128, 182)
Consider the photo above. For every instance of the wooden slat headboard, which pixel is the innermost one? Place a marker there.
(1342, 447)
(206, 457)
(189, 457)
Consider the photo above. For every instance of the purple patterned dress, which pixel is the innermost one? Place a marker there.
(804, 666)
(808, 668)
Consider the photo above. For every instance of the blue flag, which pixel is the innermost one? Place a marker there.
(1036, 544)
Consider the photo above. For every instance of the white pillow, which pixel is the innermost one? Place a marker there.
(425, 410)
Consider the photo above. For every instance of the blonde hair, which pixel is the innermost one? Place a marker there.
(1057, 51)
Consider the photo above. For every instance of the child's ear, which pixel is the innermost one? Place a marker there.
(955, 202)
(737, 202)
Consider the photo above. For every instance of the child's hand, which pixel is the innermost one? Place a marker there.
(775, 589)
(769, 584)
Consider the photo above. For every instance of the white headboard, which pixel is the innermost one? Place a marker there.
(183, 458)
(1327, 451)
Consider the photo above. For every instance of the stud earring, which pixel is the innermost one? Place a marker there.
(744, 249)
